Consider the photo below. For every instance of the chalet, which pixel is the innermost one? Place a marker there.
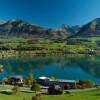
(66, 84)
(16, 80)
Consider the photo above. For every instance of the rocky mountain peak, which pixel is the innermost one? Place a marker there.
(90, 29)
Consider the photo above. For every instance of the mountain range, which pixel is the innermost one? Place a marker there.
(21, 28)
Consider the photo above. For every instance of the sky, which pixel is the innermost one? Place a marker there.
(51, 13)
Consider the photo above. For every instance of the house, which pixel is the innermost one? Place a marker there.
(66, 84)
(16, 80)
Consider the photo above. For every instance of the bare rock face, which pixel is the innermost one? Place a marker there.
(90, 29)
(72, 30)
(21, 28)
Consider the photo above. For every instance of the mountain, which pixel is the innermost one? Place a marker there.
(75, 29)
(21, 28)
(72, 30)
(90, 29)
(2, 22)
(24, 29)
(57, 33)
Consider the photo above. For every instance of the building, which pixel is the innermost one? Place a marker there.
(16, 80)
(66, 84)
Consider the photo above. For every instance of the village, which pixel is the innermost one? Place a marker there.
(51, 86)
(43, 85)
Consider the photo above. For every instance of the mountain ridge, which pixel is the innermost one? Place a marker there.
(21, 28)
(90, 29)
(15, 27)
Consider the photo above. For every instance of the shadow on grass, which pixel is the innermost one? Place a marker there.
(5, 92)
(27, 91)
(97, 94)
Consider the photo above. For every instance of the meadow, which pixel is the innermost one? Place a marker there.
(83, 95)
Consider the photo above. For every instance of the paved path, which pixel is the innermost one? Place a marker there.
(79, 90)
(11, 86)
(28, 89)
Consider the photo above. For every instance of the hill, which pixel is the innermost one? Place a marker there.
(91, 29)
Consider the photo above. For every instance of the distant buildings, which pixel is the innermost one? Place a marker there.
(66, 84)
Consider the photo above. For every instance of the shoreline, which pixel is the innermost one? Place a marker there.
(11, 53)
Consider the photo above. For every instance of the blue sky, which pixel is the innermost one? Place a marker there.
(51, 13)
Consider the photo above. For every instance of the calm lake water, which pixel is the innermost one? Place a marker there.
(69, 67)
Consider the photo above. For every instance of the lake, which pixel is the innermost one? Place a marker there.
(70, 67)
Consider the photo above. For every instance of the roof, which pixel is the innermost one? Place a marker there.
(57, 80)
(60, 80)
(16, 76)
(43, 78)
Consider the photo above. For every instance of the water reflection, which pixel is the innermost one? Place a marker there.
(69, 67)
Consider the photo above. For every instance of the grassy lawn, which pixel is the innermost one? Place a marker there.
(91, 39)
(25, 44)
(18, 96)
(89, 95)
(83, 95)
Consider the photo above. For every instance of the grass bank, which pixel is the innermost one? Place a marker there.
(83, 95)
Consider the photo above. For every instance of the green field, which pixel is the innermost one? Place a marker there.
(82, 46)
(83, 95)
(92, 40)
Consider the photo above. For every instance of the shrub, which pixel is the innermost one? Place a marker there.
(15, 89)
(37, 97)
(35, 87)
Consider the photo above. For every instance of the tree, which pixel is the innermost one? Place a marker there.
(35, 87)
(15, 89)
(86, 83)
(30, 80)
(37, 97)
